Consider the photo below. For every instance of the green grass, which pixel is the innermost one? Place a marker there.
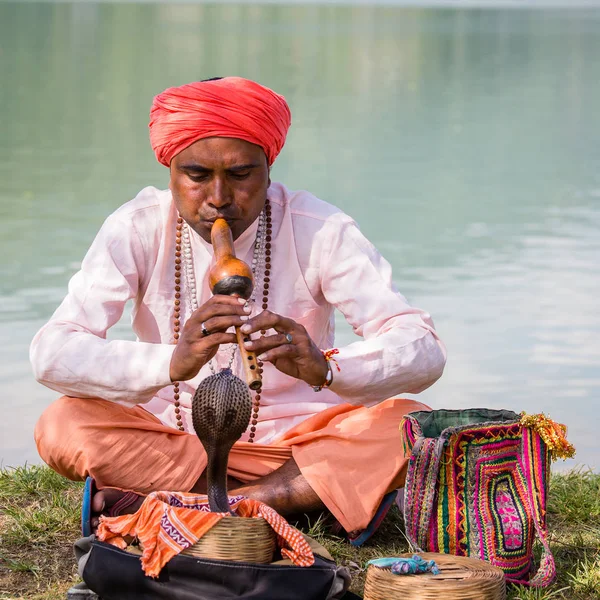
(39, 521)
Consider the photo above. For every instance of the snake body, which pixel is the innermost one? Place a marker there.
(221, 410)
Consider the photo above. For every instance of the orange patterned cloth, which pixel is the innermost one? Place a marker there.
(169, 522)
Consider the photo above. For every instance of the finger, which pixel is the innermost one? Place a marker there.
(223, 299)
(232, 301)
(269, 320)
(213, 340)
(220, 299)
(266, 342)
(220, 324)
(284, 351)
(218, 309)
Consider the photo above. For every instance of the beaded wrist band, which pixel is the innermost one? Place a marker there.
(328, 356)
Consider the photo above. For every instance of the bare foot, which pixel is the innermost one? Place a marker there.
(112, 502)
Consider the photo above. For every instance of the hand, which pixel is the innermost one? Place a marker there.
(295, 355)
(194, 349)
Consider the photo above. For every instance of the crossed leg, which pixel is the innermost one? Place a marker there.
(285, 490)
(344, 459)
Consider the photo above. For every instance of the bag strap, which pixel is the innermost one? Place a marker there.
(536, 468)
(546, 572)
(421, 489)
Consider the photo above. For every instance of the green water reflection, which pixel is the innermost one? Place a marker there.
(464, 142)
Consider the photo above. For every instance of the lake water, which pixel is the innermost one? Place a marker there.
(464, 142)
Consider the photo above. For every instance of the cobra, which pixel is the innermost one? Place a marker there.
(221, 410)
(222, 405)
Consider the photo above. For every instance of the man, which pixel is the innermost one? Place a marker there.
(323, 434)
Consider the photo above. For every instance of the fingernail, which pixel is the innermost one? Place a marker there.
(244, 317)
(242, 300)
(247, 344)
(247, 308)
(245, 328)
(261, 357)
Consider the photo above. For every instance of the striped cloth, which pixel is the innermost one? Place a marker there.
(169, 522)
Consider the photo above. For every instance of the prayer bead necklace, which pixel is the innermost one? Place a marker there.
(261, 265)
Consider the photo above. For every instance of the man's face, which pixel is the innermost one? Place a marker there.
(220, 178)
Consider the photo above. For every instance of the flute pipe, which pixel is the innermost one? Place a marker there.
(233, 277)
(249, 362)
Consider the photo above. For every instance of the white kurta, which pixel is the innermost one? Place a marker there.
(320, 261)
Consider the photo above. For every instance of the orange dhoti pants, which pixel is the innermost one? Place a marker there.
(350, 455)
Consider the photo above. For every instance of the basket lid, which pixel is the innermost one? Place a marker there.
(460, 578)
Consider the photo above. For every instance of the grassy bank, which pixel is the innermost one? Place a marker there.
(39, 520)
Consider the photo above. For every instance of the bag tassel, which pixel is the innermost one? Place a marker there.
(554, 435)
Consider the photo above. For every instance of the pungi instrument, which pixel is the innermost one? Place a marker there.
(222, 406)
(233, 277)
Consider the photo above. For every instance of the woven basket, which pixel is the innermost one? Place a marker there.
(460, 578)
(246, 539)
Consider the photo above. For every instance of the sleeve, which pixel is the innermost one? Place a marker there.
(400, 351)
(71, 354)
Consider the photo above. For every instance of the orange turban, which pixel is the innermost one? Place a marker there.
(231, 107)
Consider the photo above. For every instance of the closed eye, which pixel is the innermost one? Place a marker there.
(242, 175)
(197, 178)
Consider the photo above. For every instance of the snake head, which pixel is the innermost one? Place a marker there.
(221, 409)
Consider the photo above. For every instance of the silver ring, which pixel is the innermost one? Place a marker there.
(205, 331)
(289, 338)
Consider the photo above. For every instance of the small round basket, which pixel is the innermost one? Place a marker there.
(460, 578)
(245, 539)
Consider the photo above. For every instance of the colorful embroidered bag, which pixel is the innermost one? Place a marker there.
(477, 485)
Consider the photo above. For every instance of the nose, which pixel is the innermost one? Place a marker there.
(219, 194)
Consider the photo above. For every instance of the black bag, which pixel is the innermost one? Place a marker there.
(115, 574)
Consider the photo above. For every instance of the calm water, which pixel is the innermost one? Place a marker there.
(464, 142)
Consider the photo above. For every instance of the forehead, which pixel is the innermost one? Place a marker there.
(220, 152)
